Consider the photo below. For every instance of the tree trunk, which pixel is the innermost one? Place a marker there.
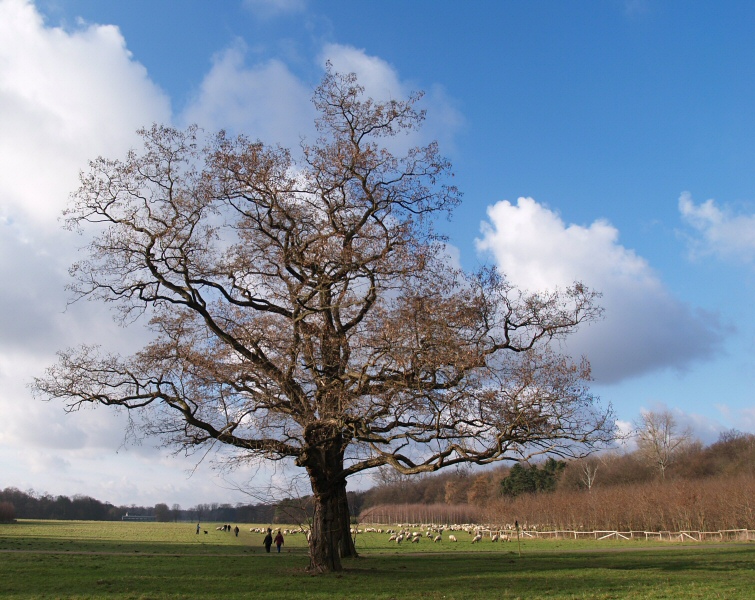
(327, 529)
(330, 537)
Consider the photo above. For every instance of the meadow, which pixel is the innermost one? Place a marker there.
(167, 561)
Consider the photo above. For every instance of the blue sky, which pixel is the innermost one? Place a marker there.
(607, 141)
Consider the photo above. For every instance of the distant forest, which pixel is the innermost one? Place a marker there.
(699, 487)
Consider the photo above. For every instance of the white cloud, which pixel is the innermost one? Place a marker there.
(64, 99)
(719, 231)
(265, 101)
(645, 328)
(381, 82)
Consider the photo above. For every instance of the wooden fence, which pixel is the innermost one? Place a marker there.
(665, 536)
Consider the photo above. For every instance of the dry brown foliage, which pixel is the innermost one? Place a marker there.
(726, 502)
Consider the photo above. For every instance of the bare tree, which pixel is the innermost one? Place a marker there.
(659, 439)
(305, 309)
(589, 470)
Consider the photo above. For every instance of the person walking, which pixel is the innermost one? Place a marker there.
(197, 528)
(268, 541)
(236, 530)
(279, 541)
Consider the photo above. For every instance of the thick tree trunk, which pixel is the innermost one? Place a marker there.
(330, 537)
(327, 528)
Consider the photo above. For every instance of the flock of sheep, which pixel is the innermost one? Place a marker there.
(435, 533)
(412, 534)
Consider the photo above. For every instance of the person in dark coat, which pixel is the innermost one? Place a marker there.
(279, 540)
(268, 541)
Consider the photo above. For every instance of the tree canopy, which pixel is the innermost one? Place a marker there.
(304, 308)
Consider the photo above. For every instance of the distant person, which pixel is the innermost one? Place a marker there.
(279, 540)
(268, 541)
(198, 528)
(236, 530)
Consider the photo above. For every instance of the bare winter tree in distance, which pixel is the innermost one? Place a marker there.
(660, 440)
(303, 308)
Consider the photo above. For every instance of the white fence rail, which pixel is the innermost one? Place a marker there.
(665, 536)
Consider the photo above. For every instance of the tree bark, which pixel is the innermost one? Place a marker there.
(347, 541)
(330, 537)
(327, 529)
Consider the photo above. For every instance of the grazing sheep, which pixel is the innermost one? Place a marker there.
(451, 538)
(392, 538)
(477, 538)
(437, 539)
(494, 537)
(415, 539)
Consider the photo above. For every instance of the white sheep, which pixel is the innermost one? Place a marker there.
(477, 538)
(437, 539)
(415, 539)
(451, 538)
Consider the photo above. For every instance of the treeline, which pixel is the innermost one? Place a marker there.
(17, 504)
(698, 487)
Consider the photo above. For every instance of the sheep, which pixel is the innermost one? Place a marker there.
(437, 539)
(392, 538)
(477, 538)
(400, 538)
(451, 538)
(415, 540)
(494, 537)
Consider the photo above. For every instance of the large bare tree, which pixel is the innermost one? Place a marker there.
(303, 308)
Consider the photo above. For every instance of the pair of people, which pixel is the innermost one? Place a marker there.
(268, 541)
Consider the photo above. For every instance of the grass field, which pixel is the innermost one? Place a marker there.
(161, 561)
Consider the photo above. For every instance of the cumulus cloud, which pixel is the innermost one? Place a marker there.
(717, 230)
(65, 97)
(645, 327)
(265, 101)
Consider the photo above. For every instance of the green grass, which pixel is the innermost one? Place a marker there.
(155, 561)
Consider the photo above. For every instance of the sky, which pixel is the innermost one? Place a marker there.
(602, 141)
